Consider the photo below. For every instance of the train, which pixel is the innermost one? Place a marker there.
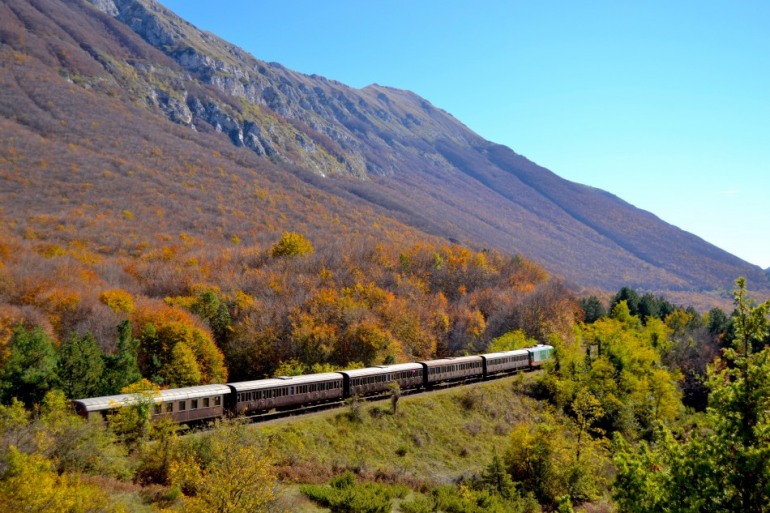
(209, 402)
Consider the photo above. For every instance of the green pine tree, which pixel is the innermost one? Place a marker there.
(30, 370)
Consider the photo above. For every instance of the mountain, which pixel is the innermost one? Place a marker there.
(120, 108)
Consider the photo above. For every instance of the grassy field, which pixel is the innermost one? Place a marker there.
(432, 439)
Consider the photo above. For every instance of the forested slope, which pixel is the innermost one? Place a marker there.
(128, 80)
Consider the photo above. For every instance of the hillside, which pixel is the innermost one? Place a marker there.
(118, 109)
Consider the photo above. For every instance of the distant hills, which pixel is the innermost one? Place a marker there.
(118, 109)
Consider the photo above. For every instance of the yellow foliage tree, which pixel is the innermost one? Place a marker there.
(30, 484)
(182, 370)
(238, 478)
(118, 300)
(292, 244)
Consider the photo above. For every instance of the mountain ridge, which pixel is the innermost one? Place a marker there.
(389, 148)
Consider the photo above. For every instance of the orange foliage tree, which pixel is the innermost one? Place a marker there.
(196, 361)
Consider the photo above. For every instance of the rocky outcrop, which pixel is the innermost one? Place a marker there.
(340, 116)
(270, 99)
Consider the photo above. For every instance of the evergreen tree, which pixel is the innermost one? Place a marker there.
(648, 307)
(630, 296)
(30, 370)
(213, 310)
(740, 409)
(122, 369)
(80, 366)
(496, 479)
(152, 354)
(593, 309)
(718, 322)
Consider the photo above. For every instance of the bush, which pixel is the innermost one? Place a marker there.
(292, 244)
(344, 495)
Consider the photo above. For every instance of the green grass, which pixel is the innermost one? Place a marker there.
(433, 439)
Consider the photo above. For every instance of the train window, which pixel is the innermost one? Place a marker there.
(182, 405)
(158, 409)
(194, 404)
(169, 407)
(206, 402)
(218, 400)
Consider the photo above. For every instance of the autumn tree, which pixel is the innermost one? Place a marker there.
(234, 475)
(209, 306)
(72, 443)
(620, 365)
(175, 349)
(31, 484)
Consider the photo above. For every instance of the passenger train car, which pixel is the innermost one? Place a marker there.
(207, 402)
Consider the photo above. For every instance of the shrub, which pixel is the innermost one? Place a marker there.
(292, 244)
(344, 495)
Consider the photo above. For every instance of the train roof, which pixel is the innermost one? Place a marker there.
(171, 394)
(382, 369)
(285, 381)
(503, 354)
(452, 359)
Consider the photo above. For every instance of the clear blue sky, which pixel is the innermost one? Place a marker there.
(663, 103)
